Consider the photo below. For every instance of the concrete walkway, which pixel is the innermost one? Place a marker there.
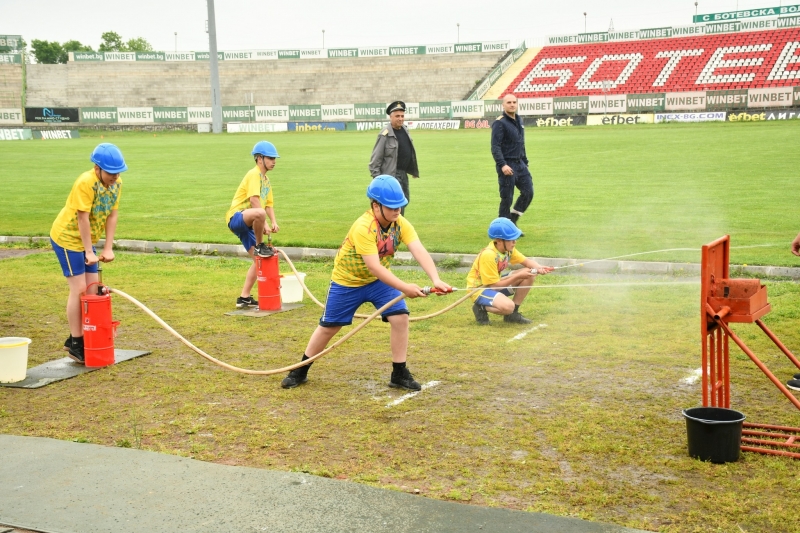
(589, 265)
(59, 487)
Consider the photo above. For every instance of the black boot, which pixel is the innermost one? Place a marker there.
(481, 315)
(516, 317)
(75, 350)
(296, 377)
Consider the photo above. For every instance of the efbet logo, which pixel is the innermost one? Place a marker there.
(553, 122)
(746, 117)
(50, 115)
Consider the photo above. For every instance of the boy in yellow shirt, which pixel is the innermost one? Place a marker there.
(247, 216)
(361, 274)
(90, 211)
(487, 271)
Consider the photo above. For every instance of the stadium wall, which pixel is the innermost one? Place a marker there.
(268, 83)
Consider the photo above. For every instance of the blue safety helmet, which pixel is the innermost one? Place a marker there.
(265, 148)
(386, 191)
(109, 158)
(503, 228)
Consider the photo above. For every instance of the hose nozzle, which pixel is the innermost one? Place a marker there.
(434, 290)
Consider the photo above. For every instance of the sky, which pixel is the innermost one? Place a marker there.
(268, 25)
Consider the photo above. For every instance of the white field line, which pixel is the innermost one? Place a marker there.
(405, 397)
(524, 333)
(692, 378)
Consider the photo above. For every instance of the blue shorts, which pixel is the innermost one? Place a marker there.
(343, 302)
(242, 230)
(487, 296)
(73, 263)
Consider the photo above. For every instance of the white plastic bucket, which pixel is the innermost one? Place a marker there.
(13, 359)
(291, 290)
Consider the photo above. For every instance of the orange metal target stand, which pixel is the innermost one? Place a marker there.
(722, 301)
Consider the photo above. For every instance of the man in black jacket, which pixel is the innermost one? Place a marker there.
(393, 153)
(508, 150)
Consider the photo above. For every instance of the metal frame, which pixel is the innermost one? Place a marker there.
(722, 301)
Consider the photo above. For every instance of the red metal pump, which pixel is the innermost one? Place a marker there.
(99, 328)
(269, 282)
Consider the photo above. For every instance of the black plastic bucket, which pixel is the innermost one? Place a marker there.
(715, 433)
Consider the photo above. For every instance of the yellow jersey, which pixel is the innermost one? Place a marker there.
(253, 184)
(488, 266)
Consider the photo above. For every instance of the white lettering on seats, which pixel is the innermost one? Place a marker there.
(788, 57)
(708, 77)
(675, 57)
(538, 72)
(585, 83)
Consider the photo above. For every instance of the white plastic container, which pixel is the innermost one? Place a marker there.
(13, 359)
(291, 290)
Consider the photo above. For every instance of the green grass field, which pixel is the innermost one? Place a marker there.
(600, 192)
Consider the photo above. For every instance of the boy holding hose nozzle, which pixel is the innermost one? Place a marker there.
(361, 274)
(487, 271)
(90, 211)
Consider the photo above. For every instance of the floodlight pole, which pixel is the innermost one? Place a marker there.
(213, 60)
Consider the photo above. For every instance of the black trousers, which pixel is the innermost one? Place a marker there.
(522, 180)
(402, 177)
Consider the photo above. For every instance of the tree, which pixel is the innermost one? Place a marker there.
(47, 52)
(112, 42)
(139, 44)
(53, 52)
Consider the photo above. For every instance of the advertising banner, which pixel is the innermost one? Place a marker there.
(119, 56)
(342, 52)
(757, 25)
(435, 110)
(205, 56)
(796, 93)
(433, 124)
(555, 122)
(313, 53)
(412, 110)
(366, 126)
(87, 56)
(655, 33)
(747, 13)
(10, 42)
(56, 134)
(135, 115)
(466, 48)
(10, 116)
(442, 48)
(618, 120)
(711, 116)
(406, 50)
(240, 55)
(370, 111)
(685, 101)
(626, 35)
(288, 54)
(179, 56)
(199, 115)
(750, 116)
(16, 134)
(150, 56)
(238, 113)
(535, 106)
(571, 105)
(653, 102)
(316, 126)
(51, 114)
(608, 103)
(467, 109)
(14, 59)
(494, 46)
(732, 99)
(376, 51)
(257, 127)
(493, 108)
(776, 97)
(788, 22)
(272, 113)
(338, 112)
(723, 27)
(99, 115)
(171, 114)
(479, 124)
(304, 112)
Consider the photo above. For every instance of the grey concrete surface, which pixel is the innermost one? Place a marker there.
(589, 265)
(62, 487)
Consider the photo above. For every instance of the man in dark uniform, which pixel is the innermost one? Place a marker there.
(508, 150)
(393, 153)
